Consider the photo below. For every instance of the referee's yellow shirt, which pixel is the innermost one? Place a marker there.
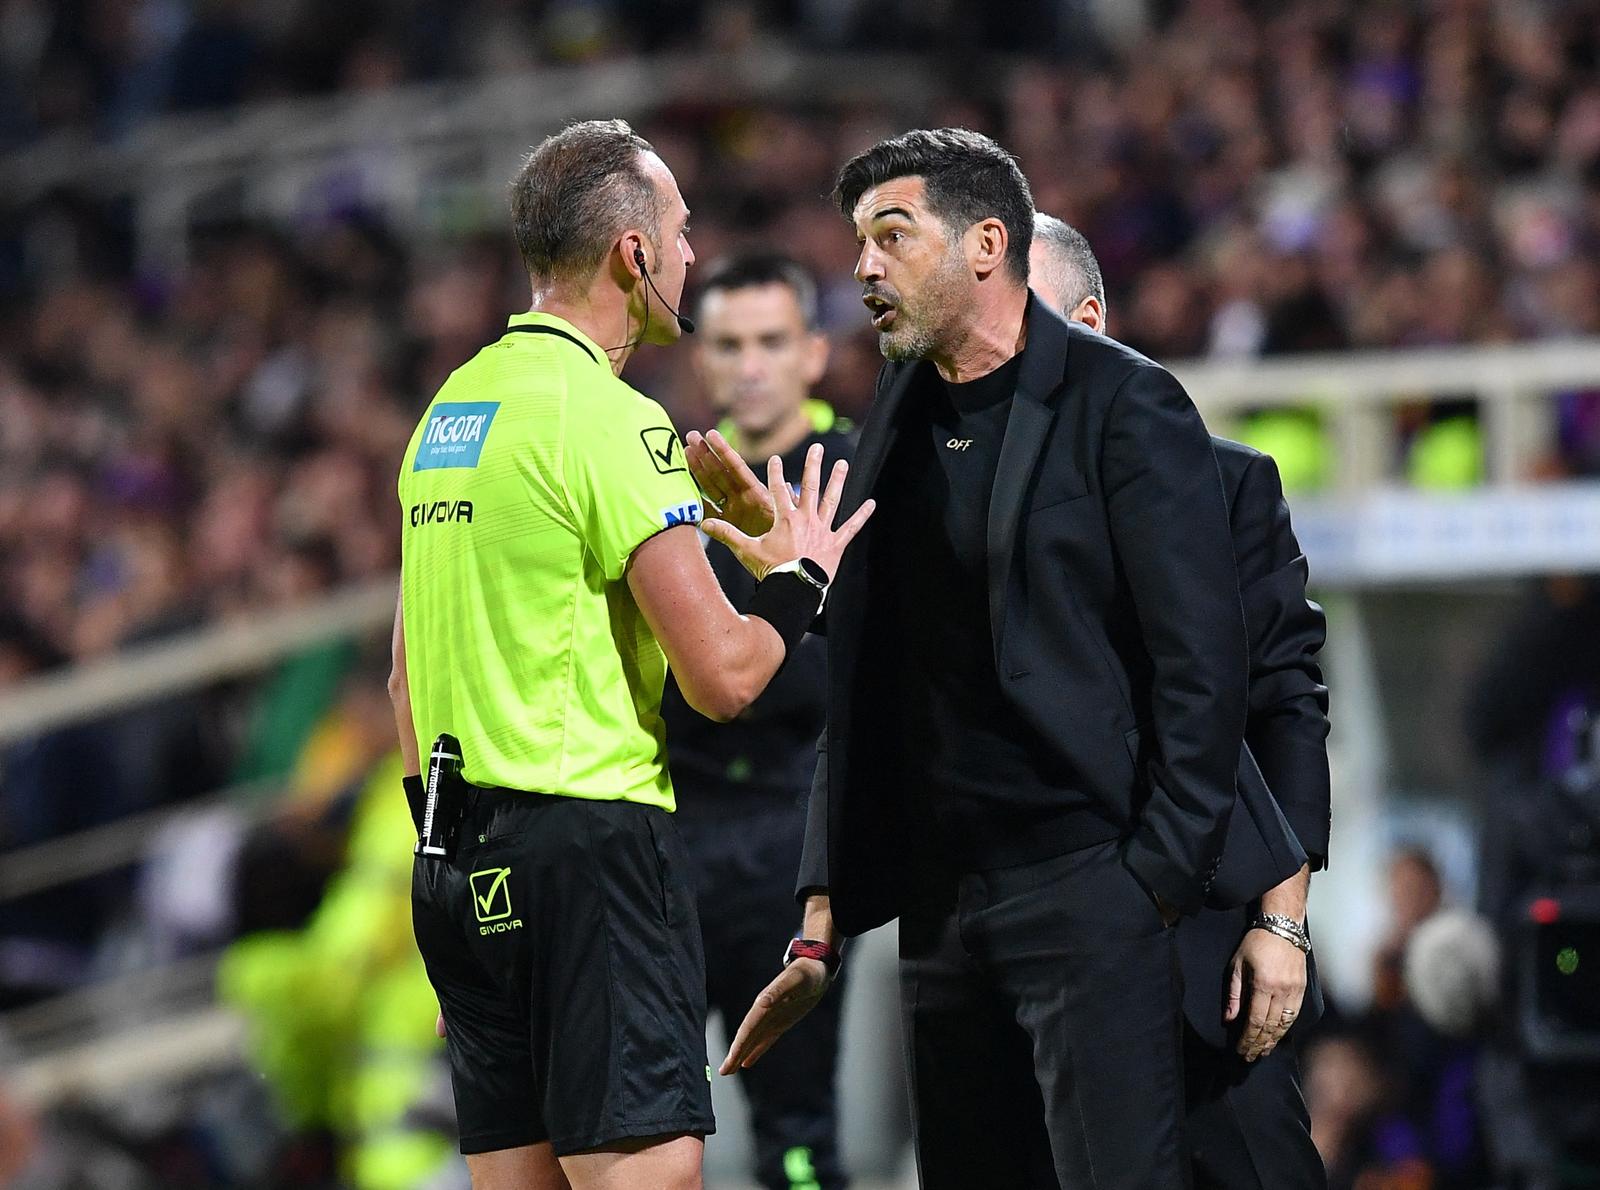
(532, 477)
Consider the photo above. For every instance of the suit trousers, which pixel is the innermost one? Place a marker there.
(1248, 1124)
(1043, 1028)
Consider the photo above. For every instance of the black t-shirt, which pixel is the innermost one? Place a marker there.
(991, 789)
(765, 758)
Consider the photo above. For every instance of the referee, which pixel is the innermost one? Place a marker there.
(742, 786)
(551, 571)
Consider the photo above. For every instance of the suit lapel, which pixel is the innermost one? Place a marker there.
(1043, 372)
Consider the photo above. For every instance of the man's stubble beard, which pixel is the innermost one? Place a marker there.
(941, 300)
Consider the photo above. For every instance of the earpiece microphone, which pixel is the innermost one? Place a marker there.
(685, 323)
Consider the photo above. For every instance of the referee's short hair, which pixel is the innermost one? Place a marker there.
(750, 269)
(968, 177)
(576, 192)
(1074, 272)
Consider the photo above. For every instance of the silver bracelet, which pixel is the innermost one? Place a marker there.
(1283, 927)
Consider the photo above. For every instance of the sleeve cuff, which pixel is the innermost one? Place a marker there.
(1311, 828)
(1160, 876)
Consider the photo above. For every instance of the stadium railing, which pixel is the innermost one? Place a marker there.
(1368, 526)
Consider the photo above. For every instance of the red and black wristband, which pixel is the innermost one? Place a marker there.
(809, 948)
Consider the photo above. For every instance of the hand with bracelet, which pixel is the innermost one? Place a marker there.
(1267, 981)
(809, 965)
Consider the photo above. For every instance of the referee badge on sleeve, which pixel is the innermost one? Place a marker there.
(666, 452)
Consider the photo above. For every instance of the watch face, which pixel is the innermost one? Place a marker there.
(813, 571)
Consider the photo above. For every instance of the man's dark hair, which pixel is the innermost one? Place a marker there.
(576, 192)
(1075, 271)
(748, 270)
(968, 177)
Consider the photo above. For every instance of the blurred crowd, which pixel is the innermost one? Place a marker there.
(180, 442)
(110, 65)
(1256, 176)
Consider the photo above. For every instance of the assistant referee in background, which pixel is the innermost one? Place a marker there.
(742, 786)
(550, 572)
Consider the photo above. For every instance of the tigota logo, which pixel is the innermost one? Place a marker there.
(456, 429)
(455, 434)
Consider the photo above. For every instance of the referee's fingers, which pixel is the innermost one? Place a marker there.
(714, 482)
(740, 477)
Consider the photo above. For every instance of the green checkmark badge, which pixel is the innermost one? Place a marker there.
(491, 894)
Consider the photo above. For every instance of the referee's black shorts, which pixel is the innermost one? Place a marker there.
(563, 943)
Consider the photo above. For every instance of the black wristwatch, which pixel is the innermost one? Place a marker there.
(808, 571)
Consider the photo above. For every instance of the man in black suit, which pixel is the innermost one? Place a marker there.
(1248, 1125)
(1036, 706)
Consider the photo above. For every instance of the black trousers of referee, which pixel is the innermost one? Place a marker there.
(1043, 1027)
(743, 867)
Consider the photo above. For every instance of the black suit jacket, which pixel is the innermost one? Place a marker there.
(1286, 731)
(1114, 614)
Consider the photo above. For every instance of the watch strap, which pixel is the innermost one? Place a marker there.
(809, 948)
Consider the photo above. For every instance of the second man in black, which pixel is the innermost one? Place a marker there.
(1248, 1127)
(742, 786)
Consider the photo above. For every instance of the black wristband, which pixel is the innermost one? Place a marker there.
(788, 603)
(416, 799)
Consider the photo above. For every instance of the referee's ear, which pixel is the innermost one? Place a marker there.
(626, 270)
(635, 253)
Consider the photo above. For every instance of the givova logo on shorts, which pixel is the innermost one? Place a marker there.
(491, 901)
(454, 434)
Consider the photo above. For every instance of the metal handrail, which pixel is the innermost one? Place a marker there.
(118, 844)
(78, 1015)
(208, 655)
(1378, 376)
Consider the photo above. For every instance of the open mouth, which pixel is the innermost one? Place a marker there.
(882, 310)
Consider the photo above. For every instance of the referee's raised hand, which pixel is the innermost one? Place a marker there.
(728, 484)
(800, 528)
